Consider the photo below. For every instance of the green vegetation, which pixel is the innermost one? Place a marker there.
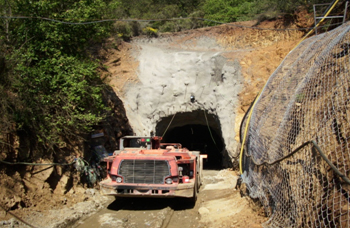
(215, 10)
(50, 89)
(228, 11)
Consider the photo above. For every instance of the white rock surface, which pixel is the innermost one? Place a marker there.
(167, 79)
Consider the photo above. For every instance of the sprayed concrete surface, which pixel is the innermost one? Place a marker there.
(168, 77)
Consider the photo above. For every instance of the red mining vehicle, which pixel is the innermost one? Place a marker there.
(145, 167)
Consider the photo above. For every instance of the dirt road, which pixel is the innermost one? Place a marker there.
(219, 204)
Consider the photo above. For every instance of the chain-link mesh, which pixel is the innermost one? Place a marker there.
(306, 98)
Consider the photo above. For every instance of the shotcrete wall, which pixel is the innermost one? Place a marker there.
(168, 77)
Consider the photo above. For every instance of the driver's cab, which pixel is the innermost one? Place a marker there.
(139, 142)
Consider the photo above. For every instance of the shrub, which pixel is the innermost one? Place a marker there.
(123, 30)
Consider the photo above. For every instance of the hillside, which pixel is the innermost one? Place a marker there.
(154, 78)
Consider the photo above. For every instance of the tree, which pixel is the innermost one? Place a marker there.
(51, 87)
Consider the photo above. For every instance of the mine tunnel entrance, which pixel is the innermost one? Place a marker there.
(198, 131)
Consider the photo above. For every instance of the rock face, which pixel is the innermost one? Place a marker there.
(174, 81)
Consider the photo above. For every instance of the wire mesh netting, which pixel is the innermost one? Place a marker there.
(307, 98)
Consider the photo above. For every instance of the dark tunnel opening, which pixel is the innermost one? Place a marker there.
(197, 137)
(197, 131)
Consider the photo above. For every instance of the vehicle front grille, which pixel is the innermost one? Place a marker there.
(144, 171)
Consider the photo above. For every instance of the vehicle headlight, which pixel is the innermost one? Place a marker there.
(116, 178)
(119, 180)
(168, 181)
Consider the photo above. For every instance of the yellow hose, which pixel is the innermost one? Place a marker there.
(245, 133)
(251, 110)
(328, 12)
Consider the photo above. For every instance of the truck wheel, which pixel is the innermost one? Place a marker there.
(195, 190)
(194, 197)
(198, 184)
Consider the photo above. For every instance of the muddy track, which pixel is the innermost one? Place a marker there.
(218, 204)
(146, 212)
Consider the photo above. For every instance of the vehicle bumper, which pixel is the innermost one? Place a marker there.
(108, 187)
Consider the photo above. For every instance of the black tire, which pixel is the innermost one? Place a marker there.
(195, 191)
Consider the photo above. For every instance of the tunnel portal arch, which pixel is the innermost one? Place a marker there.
(197, 130)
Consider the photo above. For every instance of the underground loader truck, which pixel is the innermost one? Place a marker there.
(145, 167)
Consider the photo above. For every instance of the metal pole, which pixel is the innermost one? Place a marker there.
(315, 18)
(345, 11)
